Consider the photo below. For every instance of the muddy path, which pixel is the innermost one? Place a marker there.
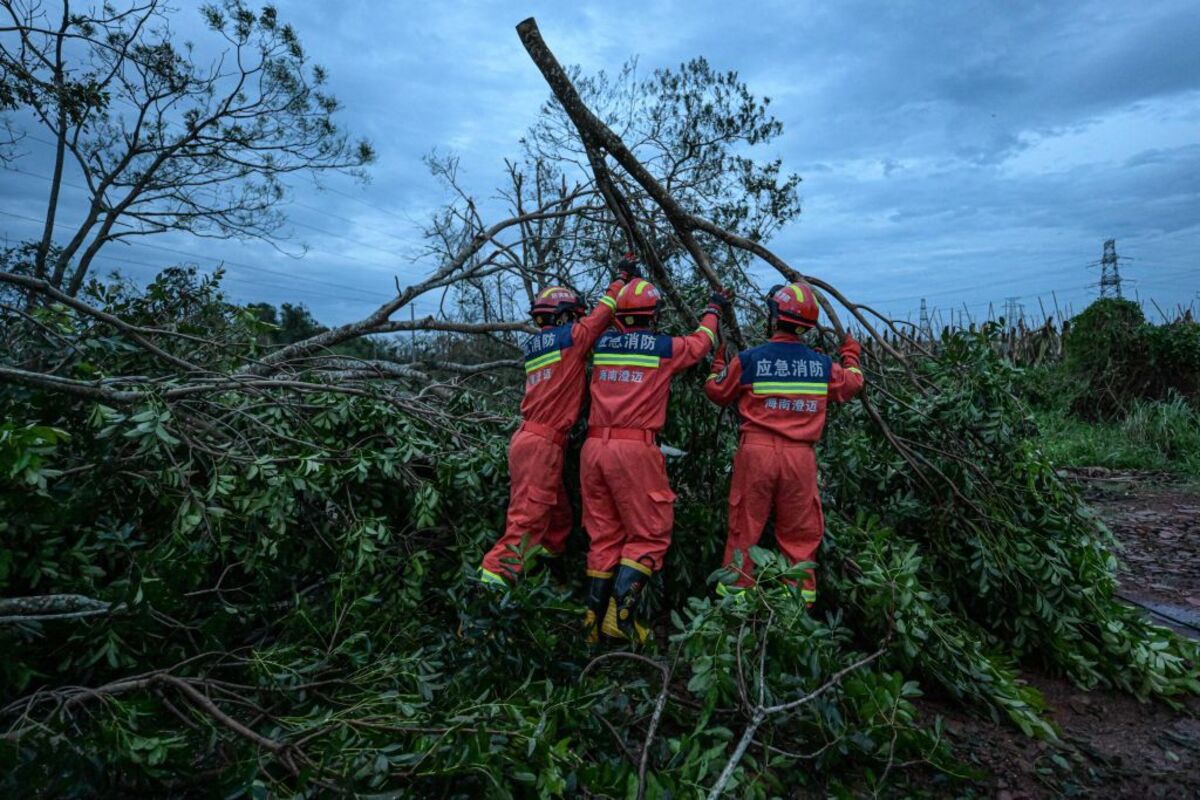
(1112, 745)
(1157, 523)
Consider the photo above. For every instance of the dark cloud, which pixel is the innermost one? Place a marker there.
(964, 151)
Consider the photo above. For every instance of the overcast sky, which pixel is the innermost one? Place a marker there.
(963, 152)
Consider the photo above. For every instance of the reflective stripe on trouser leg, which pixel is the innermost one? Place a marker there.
(490, 578)
(738, 593)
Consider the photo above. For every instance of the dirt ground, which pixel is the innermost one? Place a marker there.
(1112, 745)
(1158, 524)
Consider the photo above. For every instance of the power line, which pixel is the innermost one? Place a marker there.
(291, 276)
(327, 213)
(373, 296)
(955, 291)
(1182, 272)
(323, 211)
(360, 201)
(76, 186)
(318, 294)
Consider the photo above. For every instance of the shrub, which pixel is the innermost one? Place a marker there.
(1115, 357)
(303, 567)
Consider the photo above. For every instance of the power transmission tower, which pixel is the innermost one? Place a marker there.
(926, 327)
(1012, 309)
(1110, 274)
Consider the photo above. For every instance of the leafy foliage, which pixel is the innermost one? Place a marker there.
(302, 565)
(1115, 357)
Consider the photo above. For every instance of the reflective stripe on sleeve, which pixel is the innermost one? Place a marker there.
(608, 301)
(854, 369)
(711, 335)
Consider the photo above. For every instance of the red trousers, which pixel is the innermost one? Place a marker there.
(628, 505)
(770, 473)
(538, 508)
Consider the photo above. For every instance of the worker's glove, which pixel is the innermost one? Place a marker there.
(627, 268)
(720, 301)
(850, 351)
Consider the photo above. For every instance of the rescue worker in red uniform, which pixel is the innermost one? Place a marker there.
(781, 389)
(628, 505)
(539, 511)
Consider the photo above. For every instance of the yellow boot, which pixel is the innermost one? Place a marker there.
(620, 620)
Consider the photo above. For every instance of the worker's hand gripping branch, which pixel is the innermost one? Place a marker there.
(628, 268)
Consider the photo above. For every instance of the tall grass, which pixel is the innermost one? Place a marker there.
(1161, 435)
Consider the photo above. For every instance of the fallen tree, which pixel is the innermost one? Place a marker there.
(278, 543)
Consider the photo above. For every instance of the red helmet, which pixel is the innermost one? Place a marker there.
(795, 303)
(638, 298)
(556, 300)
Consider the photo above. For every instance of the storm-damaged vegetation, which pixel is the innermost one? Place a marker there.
(238, 561)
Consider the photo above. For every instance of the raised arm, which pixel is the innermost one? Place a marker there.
(688, 350)
(846, 379)
(726, 379)
(588, 330)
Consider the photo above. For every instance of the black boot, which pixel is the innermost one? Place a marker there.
(598, 587)
(475, 611)
(556, 567)
(620, 621)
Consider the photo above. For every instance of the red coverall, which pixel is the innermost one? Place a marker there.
(781, 389)
(628, 505)
(555, 372)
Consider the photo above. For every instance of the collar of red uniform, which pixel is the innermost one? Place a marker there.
(790, 338)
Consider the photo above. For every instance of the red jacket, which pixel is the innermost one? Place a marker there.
(555, 366)
(782, 387)
(632, 369)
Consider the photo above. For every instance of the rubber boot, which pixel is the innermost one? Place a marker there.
(555, 566)
(486, 589)
(620, 620)
(598, 587)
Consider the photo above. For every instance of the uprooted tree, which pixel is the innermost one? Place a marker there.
(236, 565)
